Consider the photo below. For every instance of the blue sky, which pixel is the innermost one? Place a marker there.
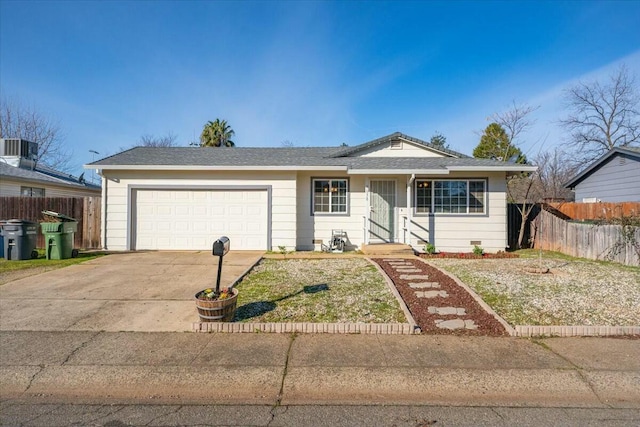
(312, 73)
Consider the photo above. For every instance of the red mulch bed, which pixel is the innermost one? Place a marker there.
(458, 297)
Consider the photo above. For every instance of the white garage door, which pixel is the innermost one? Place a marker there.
(194, 219)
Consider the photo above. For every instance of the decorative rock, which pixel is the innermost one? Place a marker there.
(450, 324)
(414, 276)
(407, 270)
(470, 324)
(431, 294)
(422, 285)
(444, 311)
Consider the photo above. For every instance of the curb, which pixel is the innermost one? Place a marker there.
(575, 331)
(306, 327)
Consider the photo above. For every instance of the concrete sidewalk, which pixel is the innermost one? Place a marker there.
(282, 369)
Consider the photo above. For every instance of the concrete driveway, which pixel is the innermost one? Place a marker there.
(141, 291)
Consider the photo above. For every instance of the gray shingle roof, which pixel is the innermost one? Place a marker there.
(260, 157)
(291, 157)
(44, 175)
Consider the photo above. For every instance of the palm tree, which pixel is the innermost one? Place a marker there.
(217, 134)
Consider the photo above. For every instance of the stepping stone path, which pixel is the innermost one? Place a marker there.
(456, 324)
(413, 276)
(432, 294)
(448, 310)
(422, 285)
(453, 318)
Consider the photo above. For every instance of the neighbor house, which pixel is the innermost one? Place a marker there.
(392, 189)
(22, 175)
(615, 177)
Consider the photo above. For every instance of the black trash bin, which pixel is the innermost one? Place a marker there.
(20, 238)
(2, 222)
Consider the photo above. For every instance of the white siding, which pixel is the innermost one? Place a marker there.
(451, 232)
(408, 149)
(283, 184)
(454, 233)
(319, 226)
(10, 188)
(617, 180)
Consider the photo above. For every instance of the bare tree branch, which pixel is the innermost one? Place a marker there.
(18, 120)
(602, 116)
(168, 140)
(515, 121)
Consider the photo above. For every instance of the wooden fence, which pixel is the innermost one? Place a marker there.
(85, 209)
(599, 242)
(582, 211)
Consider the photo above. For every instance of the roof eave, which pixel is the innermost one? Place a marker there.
(49, 183)
(213, 167)
(398, 171)
(506, 168)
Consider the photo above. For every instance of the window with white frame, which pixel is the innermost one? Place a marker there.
(330, 196)
(450, 196)
(31, 192)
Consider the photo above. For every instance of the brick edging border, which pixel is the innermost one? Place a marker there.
(575, 331)
(307, 327)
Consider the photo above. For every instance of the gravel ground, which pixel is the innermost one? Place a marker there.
(316, 290)
(574, 292)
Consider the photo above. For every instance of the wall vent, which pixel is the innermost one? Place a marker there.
(475, 242)
(396, 145)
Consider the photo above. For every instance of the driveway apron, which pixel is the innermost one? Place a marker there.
(139, 291)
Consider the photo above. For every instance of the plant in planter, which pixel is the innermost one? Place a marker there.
(216, 305)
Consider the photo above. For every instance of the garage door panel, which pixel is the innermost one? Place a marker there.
(193, 219)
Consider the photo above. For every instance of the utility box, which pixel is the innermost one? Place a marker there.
(19, 239)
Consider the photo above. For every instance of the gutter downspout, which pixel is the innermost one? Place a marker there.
(103, 213)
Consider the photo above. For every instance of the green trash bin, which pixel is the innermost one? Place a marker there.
(58, 238)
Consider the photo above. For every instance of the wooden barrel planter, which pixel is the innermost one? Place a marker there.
(218, 310)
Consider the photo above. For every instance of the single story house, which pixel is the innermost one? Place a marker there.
(22, 175)
(614, 177)
(392, 189)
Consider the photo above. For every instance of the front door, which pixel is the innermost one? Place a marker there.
(382, 201)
